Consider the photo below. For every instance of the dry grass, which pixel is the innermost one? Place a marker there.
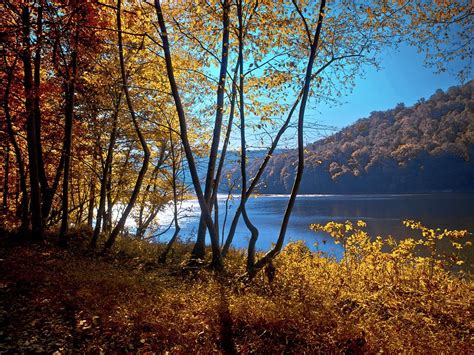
(371, 301)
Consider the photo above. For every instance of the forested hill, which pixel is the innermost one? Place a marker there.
(423, 148)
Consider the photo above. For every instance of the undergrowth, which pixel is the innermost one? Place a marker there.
(382, 296)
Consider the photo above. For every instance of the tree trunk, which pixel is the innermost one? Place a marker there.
(37, 87)
(31, 129)
(6, 171)
(225, 144)
(177, 228)
(268, 257)
(216, 254)
(257, 177)
(92, 192)
(70, 88)
(51, 192)
(199, 247)
(243, 156)
(105, 174)
(146, 152)
(19, 159)
(267, 158)
(145, 220)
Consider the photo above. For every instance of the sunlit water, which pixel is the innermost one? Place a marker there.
(383, 213)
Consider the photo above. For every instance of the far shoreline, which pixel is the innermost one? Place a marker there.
(267, 195)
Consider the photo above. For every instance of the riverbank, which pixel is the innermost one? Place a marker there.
(73, 302)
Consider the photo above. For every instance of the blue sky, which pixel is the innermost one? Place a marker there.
(403, 78)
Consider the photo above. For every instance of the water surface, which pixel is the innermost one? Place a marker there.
(382, 213)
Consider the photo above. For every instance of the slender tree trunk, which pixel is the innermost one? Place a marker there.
(146, 223)
(19, 159)
(258, 175)
(226, 213)
(202, 227)
(90, 207)
(17, 195)
(47, 192)
(6, 171)
(225, 144)
(177, 228)
(92, 192)
(268, 257)
(146, 152)
(243, 156)
(36, 218)
(70, 88)
(145, 220)
(229, 123)
(80, 202)
(215, 203)
(37, 89)
(110, 201)
(199, 247)
(216, 253)
(140, 227)
(51, 192)
(267, 158)
(83, 195)
(105, 174)
(121, 180)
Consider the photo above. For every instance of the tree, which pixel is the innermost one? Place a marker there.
(128, 88)
(198, 251)
(216, 254)
(32, 135)
(146, 152)
(23, 208)
(353, 37)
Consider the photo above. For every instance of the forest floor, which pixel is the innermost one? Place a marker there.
(56, 300)
(64, 301)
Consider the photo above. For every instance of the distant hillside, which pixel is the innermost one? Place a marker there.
(423, 148)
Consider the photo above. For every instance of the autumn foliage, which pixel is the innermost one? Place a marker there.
(399, 150)
(106, 106)
(381, 296)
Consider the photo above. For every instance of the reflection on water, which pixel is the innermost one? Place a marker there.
(383, 213)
